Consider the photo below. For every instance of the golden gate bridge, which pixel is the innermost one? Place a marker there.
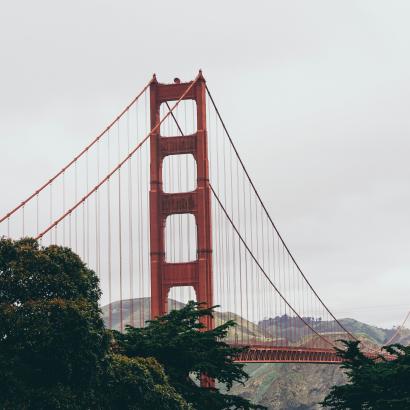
(161, 206)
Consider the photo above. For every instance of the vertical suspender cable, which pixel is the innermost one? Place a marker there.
(139, 228)
(51, 211)
(120, 227)
(83, 226)
(234, 282)
(37, 216)
(88, 208)
(97, 217)
(64, 209)
(130, 227)
(76, 199)
(109, 237)
(22, 217)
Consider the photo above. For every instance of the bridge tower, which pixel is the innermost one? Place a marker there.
(197, 273)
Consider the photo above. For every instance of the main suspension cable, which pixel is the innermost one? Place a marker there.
(119, 165)
(261, 268)
(268, 215)
(76, 158)
(398, 330)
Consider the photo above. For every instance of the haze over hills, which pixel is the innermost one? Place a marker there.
(277, 386)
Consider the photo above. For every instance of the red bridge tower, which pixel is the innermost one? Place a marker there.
(198, 273)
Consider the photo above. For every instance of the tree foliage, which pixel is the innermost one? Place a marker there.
(52, 338)
(54, 349)
(378, 383)
(140, 384)
(180, 343)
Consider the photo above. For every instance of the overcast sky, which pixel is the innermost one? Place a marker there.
(315, 93)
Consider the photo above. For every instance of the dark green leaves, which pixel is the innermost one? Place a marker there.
(54, 349)
(374, 383)
(180, 343)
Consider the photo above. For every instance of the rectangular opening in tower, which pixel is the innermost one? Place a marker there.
(180, 238)
(179, 173)
(182, 121)
(179, 296)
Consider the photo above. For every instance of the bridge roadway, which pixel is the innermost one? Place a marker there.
(286, 354)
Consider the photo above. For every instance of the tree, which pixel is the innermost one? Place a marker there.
(52, 338)
(54, 350)
(376, 383)
(140, 384)
(180, 343)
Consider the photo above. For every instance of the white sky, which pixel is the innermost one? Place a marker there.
(315, 93)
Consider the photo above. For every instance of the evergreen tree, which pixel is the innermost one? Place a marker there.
(54, 349)
(180, 343)
(377, 383)
(138, 384)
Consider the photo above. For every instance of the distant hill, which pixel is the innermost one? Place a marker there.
(277, 386)
(141, 313)
(302, 386)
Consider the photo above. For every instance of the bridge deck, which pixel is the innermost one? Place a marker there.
(283, 354)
